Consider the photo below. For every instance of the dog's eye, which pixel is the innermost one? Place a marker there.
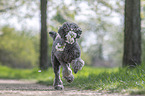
(79, 32)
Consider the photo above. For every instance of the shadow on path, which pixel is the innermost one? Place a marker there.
(31, 88)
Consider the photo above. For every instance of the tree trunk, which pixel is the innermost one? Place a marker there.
(43, 39)
(132, 34)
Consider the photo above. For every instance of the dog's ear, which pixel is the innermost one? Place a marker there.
(79, 32)
(61, 32)
(64, 30)
(66, 26)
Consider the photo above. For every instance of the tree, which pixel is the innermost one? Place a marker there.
(43, 39)
(132, 34)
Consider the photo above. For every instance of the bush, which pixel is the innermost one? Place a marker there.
(18, 49)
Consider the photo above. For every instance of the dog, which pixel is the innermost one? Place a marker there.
(66, 51)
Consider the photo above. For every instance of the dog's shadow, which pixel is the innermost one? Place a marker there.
(23, 86)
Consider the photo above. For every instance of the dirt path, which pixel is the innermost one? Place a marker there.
(30, 88)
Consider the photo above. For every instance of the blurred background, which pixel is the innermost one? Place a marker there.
(102, 23)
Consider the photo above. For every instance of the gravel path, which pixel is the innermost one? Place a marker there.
(30, 88)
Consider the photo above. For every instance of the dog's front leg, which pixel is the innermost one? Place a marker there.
(58, 84)
(77, 64)
(67, 72)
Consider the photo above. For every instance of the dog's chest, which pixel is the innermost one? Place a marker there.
(69, 53)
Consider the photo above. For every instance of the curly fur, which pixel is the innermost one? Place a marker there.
(65, 52)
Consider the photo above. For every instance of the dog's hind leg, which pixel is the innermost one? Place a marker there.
(67, 72)
(58, 84)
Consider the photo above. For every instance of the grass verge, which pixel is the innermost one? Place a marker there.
(110, 79)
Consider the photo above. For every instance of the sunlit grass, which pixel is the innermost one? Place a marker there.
(113, 80)
(10, 73)
(108, 79)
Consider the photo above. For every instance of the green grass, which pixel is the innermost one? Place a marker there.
(117, 81)
(31, 74)
(110, 79)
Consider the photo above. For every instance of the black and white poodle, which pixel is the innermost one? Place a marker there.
(66, 51)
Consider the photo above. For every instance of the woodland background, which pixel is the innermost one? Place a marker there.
(102, 22)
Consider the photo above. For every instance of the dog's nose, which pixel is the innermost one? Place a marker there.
(75, 71)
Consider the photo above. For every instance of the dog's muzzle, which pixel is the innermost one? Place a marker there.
(70, 37)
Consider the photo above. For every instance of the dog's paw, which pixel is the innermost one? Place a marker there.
(66, 72)
(69, 78)
(58, 87)
(77, 64)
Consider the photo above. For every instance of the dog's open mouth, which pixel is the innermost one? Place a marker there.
(71, 37)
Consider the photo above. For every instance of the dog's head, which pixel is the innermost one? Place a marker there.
(70, 32)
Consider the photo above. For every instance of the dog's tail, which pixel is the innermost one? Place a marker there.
(53, 34)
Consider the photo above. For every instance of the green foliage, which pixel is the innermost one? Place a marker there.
(143, 29)
(116, 43)
(143, 48)
(58, 17)
(18, 49)
(13, 8)
(63, 14)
